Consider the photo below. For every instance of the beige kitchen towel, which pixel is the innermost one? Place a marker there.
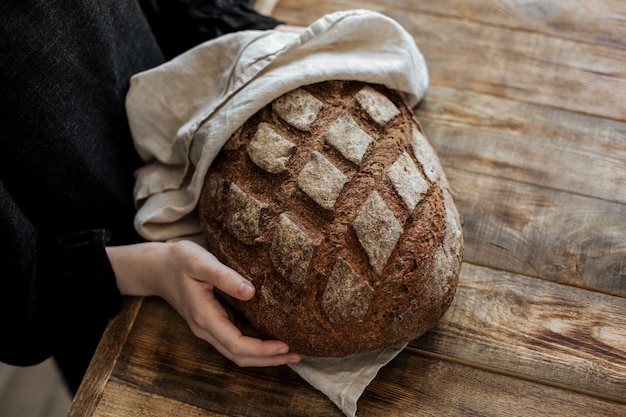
(343, 380)
(182, 112)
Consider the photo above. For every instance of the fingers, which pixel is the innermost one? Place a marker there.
(208, 319)
(237, 318)
(209, 269)
(229, 281)
(216, 328)
(247, 352)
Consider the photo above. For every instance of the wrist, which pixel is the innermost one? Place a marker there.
(137, 267)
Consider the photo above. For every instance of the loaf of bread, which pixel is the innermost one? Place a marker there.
(331, 201)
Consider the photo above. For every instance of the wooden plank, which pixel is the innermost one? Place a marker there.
(524, 66)
(165, 368)
(541, 232)
(512, 63)
(545, 331)
(128, 401)
(399, 390)
(600, 21)
(101, 366)
(529, 143)
(414, 385)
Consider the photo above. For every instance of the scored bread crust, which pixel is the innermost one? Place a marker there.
(331, 201)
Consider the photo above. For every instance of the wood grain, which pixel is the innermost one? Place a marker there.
(560, 334)
(527, 67)
(127, 401)
(417, 385)
(524, 142)
(190, 377)
(100, 369)
(542, 232)
(600, 22)
(591, 21)
(190, 371)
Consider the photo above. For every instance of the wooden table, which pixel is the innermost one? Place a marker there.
(527, 112)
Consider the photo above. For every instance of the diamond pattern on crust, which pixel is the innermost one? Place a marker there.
(214, 183)
(380, 108)
(378, 231)
(243, 213)
(298, 108)
(269, 150)
(407, 180)
(346, 295)
(321, 180)
(291, 250)
(348, 138)
(425, 154)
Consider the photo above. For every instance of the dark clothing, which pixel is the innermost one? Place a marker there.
(178, 27)
(67, 158)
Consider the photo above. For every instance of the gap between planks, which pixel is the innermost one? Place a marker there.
(504, 372)
(541, 277)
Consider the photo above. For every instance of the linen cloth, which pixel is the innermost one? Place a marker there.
(182, 112)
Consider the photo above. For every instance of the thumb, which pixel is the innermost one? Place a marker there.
(210, 270)
(230, 282)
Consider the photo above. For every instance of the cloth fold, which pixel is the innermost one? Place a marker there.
(182, 112)
(343, 380)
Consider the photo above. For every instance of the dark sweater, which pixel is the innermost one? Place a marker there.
(67, 159)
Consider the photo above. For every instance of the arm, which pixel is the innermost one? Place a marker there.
(186, 275)
(45, 284)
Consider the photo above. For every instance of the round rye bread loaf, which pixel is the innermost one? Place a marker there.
(331, 201)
